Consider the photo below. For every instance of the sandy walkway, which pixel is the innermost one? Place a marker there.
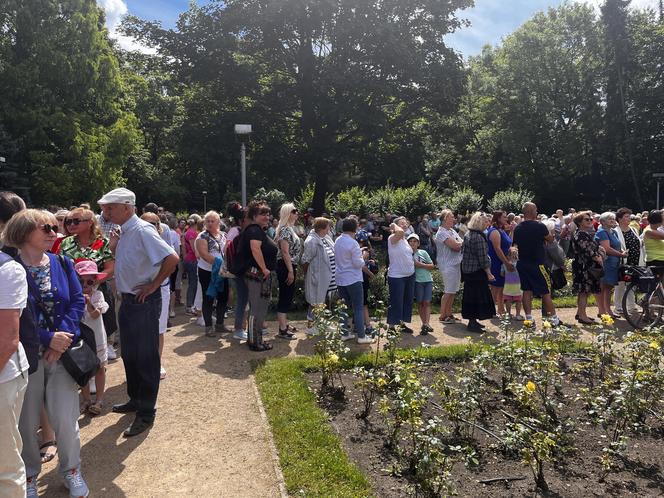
(209, 438)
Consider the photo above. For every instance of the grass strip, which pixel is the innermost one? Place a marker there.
(312, 459)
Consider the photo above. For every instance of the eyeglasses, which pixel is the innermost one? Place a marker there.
(87, 282)
(47, 229)
(75, 221)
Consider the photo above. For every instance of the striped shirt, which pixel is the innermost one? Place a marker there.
(329, 250)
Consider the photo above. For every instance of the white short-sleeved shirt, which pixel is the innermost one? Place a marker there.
(139, 255)
(402, 263)
(13, 296)
(447, 258)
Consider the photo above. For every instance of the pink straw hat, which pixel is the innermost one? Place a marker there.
(88, 268)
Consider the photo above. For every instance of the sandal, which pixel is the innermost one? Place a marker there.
(265, 346)
(84, 405)
(290, 328)
(45, 455)
(95, 408)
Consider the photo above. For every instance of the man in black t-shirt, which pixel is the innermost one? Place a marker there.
(529, 238)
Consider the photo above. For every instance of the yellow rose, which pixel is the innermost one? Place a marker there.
(527, 323)
(530, 386)
(333, 358)
(606, 319)
(546, 325)
(654, 345)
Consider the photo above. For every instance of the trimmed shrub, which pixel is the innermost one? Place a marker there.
(510, 201)
(353, 200)
(274, 198)
(465, 201)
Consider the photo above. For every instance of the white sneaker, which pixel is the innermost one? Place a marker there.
(76, 485)
(311, 331)
(31, 488)
(347, 337)
(365, 340)
(162, 373)
(240, 335)
(171, 314)
(200, 321)
(111, 352)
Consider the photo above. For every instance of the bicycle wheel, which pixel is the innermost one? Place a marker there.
(642, 309)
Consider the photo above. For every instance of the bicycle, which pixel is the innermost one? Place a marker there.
(643, 301)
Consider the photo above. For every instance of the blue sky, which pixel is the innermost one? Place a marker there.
(491, 20)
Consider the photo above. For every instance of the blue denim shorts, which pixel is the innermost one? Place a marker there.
(423, 291)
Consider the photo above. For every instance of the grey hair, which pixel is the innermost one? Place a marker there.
(607, 216)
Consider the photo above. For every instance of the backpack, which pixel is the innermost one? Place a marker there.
(28, 335)
(235, 258)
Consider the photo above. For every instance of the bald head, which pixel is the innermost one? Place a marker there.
(529, 211)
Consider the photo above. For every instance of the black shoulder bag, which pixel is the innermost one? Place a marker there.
(80, 360)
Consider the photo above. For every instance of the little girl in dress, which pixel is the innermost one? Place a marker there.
(512, 291)
(95, 307)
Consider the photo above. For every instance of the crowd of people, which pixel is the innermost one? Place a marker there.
(120, 276)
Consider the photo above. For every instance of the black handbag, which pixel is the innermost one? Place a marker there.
(558, 279)
(596, 271)
(80, 360)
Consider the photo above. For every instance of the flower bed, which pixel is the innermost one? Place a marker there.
(534, 413)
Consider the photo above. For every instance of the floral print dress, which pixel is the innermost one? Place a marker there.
(98, 251)
(586, 248)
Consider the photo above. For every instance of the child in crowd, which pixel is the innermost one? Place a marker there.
(512, 291)
(95, 307)
(423, 282)
(369, 271)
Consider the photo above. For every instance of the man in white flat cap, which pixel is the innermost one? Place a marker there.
(142, 261)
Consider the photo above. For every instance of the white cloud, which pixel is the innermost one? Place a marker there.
(115, 10)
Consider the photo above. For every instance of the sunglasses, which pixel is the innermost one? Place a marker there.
(294, 211)
(264, 211)
(47, 229)
(587, 219)
(87, 282)
(75, 221)
(153, 223)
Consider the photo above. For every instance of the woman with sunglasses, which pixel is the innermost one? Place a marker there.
(288, 257)
(261, 253)
(54, 291)
(586, 256)
(86, 241)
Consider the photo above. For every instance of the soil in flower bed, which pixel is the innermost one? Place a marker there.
(580, 474)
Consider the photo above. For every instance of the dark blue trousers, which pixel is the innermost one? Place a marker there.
(139, 338)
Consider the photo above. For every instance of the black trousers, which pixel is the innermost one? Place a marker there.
(139, 335)
(204, 278)
(286, 292)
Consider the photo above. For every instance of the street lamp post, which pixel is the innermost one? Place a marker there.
(243, 130)
(205, 201)
(658, 177)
